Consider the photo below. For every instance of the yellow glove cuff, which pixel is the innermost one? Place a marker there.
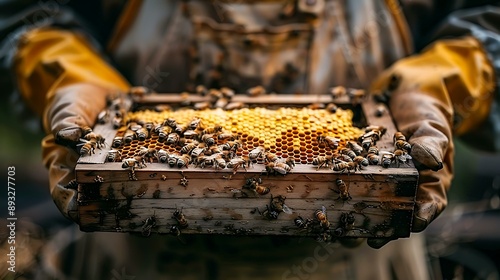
(48, 59)
(456, 71)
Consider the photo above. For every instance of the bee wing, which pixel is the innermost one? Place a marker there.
(323, 208)
(287, 209)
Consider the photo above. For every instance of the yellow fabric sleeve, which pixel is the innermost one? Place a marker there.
(455, 70)
(48, 59)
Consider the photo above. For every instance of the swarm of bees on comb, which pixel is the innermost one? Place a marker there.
(222, 135)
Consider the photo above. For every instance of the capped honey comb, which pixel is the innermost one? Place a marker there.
(286, 132)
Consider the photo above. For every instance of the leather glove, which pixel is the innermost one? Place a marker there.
(422, 92)
(66, 81)
(72, 109)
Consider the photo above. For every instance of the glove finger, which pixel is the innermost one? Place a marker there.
(61, 163)
(420, 117)
(377, 243)
(424, 214)
(431, 196)
(72, 111)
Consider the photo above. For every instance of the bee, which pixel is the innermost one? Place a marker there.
(191, 134)
(113, 155)
(234, 106)
(290, 161)
(320, 216)
(343, 190)
(330, 141)
(374, 135)
(180, 129)
(399, 136)
(301, 223)
(200, 149)
(321, 161)
(173, 138)
(341, 157)
(355, 147)
(163, 132)
(256, 153)
(256, 91)
(348, 152)
(148, 153)
(346, 166)
(361, 161)
(231, 145)
(140, 91)
(236, 163)
(372, 158)
(175, 231)
(157, 128)
(214, 95)
(132, 163)
(338, 91)
(117, 122)
(212, 130)
(219, 161)
(226, 136)
(129, 136)
(162, 156)
(149, 126)
(227, 92)
(401, 156)
(172, 159)
(172, 123)
(275, 207)
(148, 225)
(277, 167)
(367, 142)
(134, 126)
(95, 137)
(332, 108)
(162, 108)
(189, 147)
(255, 185)
(356, 95)
(117, 142)
(88, 147)
(204, 160)
(380, 110)
(270, 157)
(194, 123)
(201, 90)
(180, 218)
(387, 159)
(208, 139)
(221, 103)
(402, 145)
(103, 116)
(316, 106)
(202, 105)
(142, 133)
(347, 221)
(378, 129)
(183, 161)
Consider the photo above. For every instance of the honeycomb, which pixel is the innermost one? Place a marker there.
(285, 132)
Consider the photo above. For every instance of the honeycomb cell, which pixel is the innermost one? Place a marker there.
(291, 131)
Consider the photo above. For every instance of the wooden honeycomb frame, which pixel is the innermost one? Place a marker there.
(382, 201)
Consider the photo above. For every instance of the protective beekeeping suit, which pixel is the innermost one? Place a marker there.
(65, 57)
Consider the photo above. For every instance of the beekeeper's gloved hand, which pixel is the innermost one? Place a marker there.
(65, 81)
(425, 94)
